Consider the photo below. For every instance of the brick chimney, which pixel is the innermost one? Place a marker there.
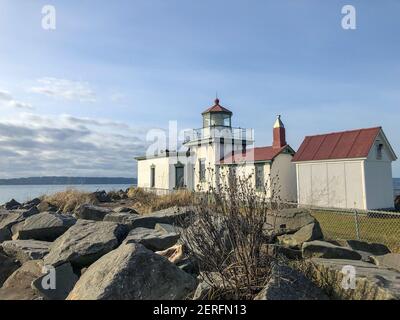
(279, 134)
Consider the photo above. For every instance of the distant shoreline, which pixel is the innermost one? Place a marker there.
(67, 181)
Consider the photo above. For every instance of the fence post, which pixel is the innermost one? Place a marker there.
(357, 224)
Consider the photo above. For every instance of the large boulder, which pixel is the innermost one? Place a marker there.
(133, 272)
(25, 250)
(65, 280)
(376, 249)
(390, 261)
(277, 251)
(46, 206)
(18, 285)
(125, 210)
(9, 219)
(355, 280)
(43, 226)
(12, 205)
(322, 249)
(85, 242)
(102, 196)
(5, 234)
(286, 283)
(287, 221)
(173, 215)
(122, 218)
(7, 267)
(91, 212)
(30, 204)
(152, 239)
(307, 233)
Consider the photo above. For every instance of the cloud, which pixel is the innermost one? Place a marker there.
(35, 145)
(6, 99)
(64, 89)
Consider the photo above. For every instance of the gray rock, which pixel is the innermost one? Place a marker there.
(65, 280)
(174, 216)
(133, 272)
(371, 282)
(7, 267)
(18, 285)
(43, 226)
(5, 235)
(167, 228)
(307, 233)
(91, 212)
(30, 204)
(376, 249)
(390, 261)
(9, 219)
(46, 206)
(289, 284)
(85, 242)
(125, 210)
(25, 250)
(102, 196)
(12, 205)
(122, 218)
(209, 282)
(152, 239)
(287, 221)
(322, 249)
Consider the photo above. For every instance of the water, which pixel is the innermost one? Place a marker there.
(396, 186)
(24, 193)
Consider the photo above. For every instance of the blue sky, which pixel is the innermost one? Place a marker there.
(79, 100)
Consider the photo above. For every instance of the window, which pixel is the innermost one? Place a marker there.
(260, 176)
(202, 170)
(379, 149)
(152, 176)
(179, 176)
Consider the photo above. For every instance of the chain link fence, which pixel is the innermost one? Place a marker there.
(372, 226)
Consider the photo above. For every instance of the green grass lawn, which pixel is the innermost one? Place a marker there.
(342, 226)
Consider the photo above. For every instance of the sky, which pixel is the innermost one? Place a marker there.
(79, 100)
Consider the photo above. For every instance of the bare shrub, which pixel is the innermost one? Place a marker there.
(67, 201)
(226, 237)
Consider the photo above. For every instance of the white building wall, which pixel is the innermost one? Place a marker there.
(285, 171)
(337, 184)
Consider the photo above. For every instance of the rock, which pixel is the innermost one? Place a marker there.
(167, 228)
(7, 267)
(91, 212)
(65, 280)
(174, 254)
(125, 210)
(174, 216)
(85, 242)
(322, 249)
(8, 220)
(5, 235)
(209, 282)
(25, 250)
(287, 221)
(43, 226)
(390, 261)
(46, 206)
(102, 196)
(286, 283)
(133, 272)
(376, 249)
(122, 218)
(189, 265)
(30, 204)
(152, 239)
(307, 233)
(276, 250)
(18, 285)
(12, 205)
(371, 282)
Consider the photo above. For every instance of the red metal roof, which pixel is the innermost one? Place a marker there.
(255, 154)
(337, 145)
(217, 108)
